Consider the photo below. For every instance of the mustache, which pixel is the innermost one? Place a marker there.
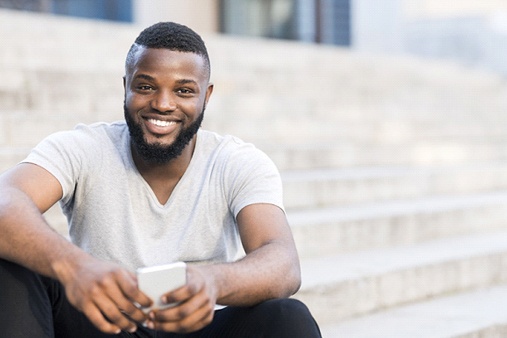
(157, 153)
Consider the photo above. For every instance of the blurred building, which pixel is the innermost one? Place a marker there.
(473, 32)
(325, 21)
(116, 10)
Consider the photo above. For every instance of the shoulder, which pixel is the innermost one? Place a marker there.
(231, 152)
(247, 175)
(226, 145)
(88, 133)
(80, 144)
(101, 129)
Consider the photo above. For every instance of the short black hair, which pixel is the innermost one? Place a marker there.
(172, 36)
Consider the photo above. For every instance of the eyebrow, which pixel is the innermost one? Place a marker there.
(151, 78)
(144, 76)
(185, 81)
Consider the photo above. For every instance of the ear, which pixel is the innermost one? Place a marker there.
(209, 91)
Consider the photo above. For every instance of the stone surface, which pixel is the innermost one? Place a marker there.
(476, 314)
(394, 168)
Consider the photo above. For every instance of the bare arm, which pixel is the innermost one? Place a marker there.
(99, 289)
(27, 191)
(271, 266)
(269, 270)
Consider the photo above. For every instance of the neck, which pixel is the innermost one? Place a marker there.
(173, 169)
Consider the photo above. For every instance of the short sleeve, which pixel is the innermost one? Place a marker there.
(251, 177)
(64, 155)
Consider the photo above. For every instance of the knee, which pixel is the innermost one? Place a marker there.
(18, 279)
(25, 309)
(285, 307)
(12, 272)
(290, 317)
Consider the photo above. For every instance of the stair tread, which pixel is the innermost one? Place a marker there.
(352, 266)
(367, 172)
(395, 207)
(445, 317)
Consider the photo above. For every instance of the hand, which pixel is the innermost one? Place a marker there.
(106, 293)
(196, 305)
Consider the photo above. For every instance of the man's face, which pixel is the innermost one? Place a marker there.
(165, 96)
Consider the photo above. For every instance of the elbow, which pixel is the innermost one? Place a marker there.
(292, 280)
(296, 279)
(287, 282)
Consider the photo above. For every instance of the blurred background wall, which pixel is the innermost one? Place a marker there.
(386, 119)
(473, 32)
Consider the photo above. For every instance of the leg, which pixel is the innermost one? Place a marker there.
(25, 309)
(67, 320)
(274, 318)
(32, 305)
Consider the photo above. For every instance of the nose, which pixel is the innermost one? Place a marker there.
(164, 101)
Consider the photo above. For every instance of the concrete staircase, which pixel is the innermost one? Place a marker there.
(395, 169)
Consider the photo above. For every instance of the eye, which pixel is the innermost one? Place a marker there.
(185, 91)
(144, 87)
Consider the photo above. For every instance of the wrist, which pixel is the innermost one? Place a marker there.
(64, 266)
(209, 277)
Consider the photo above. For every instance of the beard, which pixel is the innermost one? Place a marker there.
(157, 153)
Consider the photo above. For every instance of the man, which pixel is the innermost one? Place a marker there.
(150, 191)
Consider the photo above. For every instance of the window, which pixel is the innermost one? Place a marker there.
(322, 21)
(116, 10)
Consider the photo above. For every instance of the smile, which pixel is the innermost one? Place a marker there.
(161, 123)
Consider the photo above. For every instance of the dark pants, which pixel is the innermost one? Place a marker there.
(35, 306)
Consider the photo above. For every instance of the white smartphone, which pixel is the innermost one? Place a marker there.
(154, 281)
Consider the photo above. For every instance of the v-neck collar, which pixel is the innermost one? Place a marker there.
(145, 183)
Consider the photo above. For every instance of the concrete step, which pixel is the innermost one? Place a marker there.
(85, 92)
(351, 87)
(321, 188)
(57, 220)
(468, 315)
(9, 156)
(27, 128)
(375, 224)
(46, 112)
(340, 155)
(284, 127)
(348, 285)
(335, 230)
(75, 43)
(359, 81)
(78, 92)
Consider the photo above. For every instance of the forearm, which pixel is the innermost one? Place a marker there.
(271, 271)
(26, 237)
(101, 290)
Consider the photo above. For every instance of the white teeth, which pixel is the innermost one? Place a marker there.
(161, 123)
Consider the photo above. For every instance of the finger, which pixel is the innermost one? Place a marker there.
(183, 309)
(133, 312)
(179, 295)
(194, 321)
(186, 305)
(111, 300)
(112, 313)
(126, 306)
(128, 285)
(120, 289)
(99, 321)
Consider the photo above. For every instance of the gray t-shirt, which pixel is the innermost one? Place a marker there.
(114, 214)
